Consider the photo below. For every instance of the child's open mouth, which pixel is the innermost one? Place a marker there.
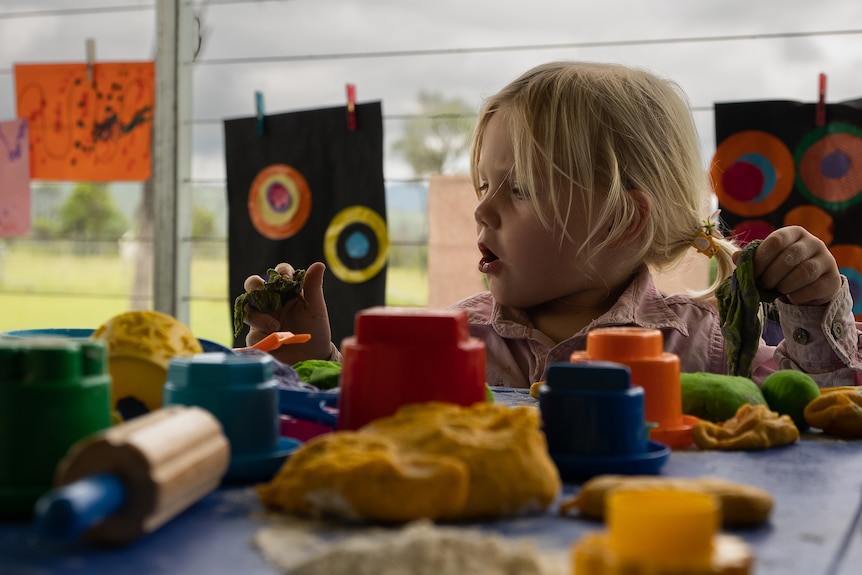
(487, 259)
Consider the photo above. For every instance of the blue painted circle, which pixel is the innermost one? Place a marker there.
(854, 279)
(835, 165)
(357, 245)
(766, 168)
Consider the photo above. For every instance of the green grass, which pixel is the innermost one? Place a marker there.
(63, 290)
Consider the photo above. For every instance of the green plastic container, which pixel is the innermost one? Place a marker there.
(53, 392)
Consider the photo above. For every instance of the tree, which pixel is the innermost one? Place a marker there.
(203, 223)
(46, 201)
(89, 213)
(434, 141)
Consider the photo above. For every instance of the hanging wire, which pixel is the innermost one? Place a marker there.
(505, 48)
(525, 47)
(453, 51)
(77, 11)
(113, 9)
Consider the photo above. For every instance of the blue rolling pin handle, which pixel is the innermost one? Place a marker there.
(69, 511)
(308, 405)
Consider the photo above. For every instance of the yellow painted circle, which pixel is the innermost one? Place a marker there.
(365, 217)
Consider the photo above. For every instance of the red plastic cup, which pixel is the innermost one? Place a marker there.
(399, 356)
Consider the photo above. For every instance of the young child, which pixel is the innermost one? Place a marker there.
(587, 174)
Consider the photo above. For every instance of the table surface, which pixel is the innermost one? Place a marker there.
(816, 484)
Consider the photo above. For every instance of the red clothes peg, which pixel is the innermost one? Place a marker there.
(820, 109)
(351, 107)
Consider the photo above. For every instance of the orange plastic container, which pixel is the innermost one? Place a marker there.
(656, 371)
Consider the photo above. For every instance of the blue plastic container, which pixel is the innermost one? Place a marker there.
(593, 419)
(590, 408)
(241, 392)
(72, 332)
(85, 332)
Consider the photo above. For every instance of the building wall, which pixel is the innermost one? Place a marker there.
(453, 258)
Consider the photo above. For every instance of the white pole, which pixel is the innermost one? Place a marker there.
(172, 158)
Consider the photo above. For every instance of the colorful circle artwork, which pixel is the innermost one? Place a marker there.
(279, 202)
(849, 260)
(356, 244)
(813, 219)
(749, 230)
(752, 173)
(826, 171)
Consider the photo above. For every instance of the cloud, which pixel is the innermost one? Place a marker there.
(730, 70)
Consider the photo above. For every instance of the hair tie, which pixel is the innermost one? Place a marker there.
(704, 241)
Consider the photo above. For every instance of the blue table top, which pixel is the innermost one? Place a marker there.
(816, 484)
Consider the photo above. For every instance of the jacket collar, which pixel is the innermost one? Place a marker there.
(640, 305)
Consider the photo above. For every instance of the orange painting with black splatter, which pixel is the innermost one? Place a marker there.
(93, 127)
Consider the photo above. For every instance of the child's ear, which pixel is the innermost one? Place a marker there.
(640, 216)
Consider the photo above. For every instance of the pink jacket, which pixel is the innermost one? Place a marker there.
(823, 341)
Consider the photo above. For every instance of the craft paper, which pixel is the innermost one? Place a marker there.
(309, 189)
(14, 179)
(83, 130)
(774, 167)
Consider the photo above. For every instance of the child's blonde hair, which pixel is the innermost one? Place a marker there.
(592, 133)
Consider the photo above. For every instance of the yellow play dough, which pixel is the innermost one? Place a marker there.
(431, 460)
(753, 427)
(837, 411)
(362, 476)
(141, 343)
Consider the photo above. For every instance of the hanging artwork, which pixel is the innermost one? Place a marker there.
(304, 187)
(774, 166)
(14, 179)
(88, 123)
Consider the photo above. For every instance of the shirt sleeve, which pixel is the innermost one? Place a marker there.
(334, 354)
(824, 341)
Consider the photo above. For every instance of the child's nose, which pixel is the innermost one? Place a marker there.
(485, 214)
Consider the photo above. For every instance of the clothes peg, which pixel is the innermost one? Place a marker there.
(351, 107)
(91, 59)
(258, 106)
(820, 109)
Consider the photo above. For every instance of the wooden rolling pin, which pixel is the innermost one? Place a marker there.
(129, 480)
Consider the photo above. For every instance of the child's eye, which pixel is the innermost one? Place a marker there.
(519, 193)
(483, 188)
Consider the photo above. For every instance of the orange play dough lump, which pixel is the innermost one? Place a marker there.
(838, 412)
(753, 427)
(365, 476)
(432, 460)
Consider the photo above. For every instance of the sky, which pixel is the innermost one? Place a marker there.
(790, 42)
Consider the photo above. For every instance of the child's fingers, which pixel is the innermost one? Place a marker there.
(790, 268)
(261, 321)
(797, 264)
(286, 270)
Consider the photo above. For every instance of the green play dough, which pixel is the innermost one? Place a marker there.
(787, 392)
(320, 373)
(715, 397)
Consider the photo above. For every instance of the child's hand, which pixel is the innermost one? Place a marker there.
(295, 316)
(798, 265)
